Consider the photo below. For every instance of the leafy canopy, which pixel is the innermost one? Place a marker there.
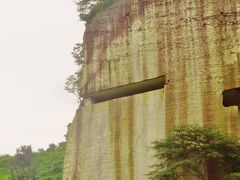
(194, 151)
(26, 164)
(72, 82)
(89, 8)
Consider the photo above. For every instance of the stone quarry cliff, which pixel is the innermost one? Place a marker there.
(151, 65)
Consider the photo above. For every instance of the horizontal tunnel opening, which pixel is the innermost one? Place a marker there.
(128, 90)
(231, 97)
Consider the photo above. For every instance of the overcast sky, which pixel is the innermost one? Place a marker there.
(36, 39)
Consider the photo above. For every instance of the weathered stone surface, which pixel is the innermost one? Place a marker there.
(114, 137)
(194, 43)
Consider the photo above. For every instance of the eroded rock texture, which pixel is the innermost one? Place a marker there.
(195, 44)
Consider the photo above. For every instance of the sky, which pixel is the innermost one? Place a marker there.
(36, 40)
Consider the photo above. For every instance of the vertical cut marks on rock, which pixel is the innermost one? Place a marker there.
(129, 89)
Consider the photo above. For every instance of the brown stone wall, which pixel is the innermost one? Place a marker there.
(194, 43)
(110, 140)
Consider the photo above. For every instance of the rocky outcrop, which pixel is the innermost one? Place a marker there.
(194, 44)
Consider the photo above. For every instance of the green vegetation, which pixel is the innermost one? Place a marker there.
(203, 153)
(89, 8)
(5, 164)
(29, 165)
(72, 82)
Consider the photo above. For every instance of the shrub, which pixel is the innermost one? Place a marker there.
(203, 153)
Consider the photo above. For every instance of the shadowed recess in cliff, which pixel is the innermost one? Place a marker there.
(128, 90)
(231, 97)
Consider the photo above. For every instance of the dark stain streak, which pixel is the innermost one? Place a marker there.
(117, 145)
(131, 106)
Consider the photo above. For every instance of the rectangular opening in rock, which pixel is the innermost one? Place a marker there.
(128, 90)
(231, 97)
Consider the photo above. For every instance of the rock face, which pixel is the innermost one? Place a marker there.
(194, 45)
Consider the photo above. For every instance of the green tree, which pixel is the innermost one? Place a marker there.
(22, 168)
(24, 156)
(89, 8)
(85, 7)
(40, 150)
(49, 164)
(193, 151)
(78, 54)
(5, 166)
(52, 147)
(71, 85)
(72, 82)
(29, 165)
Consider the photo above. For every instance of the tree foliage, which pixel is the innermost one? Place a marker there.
(72, 82)
(21, 167)
(52, 147)
(23, 156)
(78, 54)
(71, 85)
(89, 8)
(85, 6)
(49, 164)
(29, 165)
(5, 165)
(193, 151)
